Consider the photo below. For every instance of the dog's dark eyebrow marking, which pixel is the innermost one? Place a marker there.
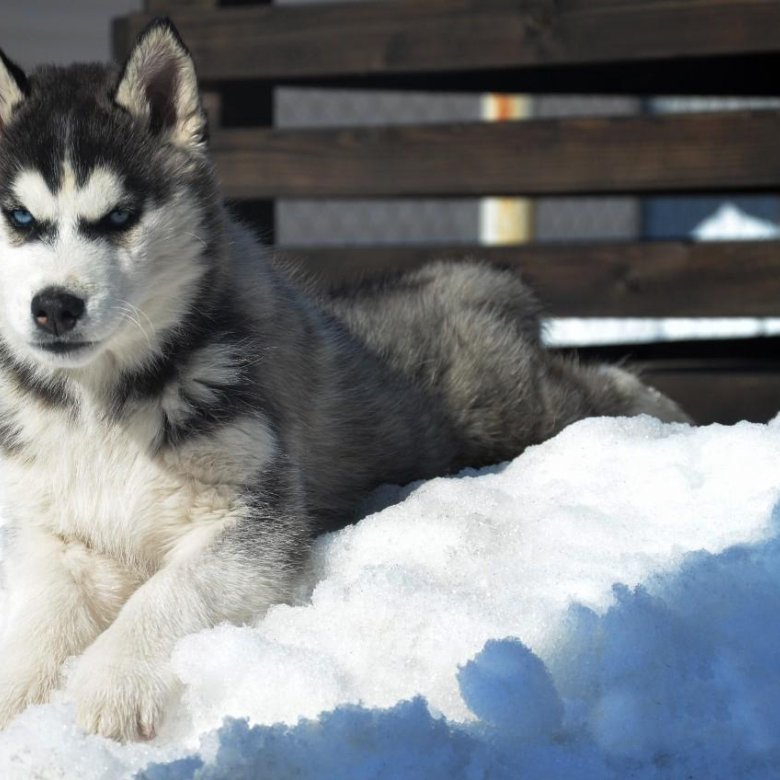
(102, 227)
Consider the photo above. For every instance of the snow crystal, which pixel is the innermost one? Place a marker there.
(603, 606)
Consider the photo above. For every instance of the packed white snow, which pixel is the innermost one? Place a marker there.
(605, 606)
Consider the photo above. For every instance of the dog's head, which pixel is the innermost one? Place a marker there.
(105, 201)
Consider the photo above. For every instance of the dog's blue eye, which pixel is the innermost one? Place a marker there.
(119, 217)
(115, 222)
(22, 218)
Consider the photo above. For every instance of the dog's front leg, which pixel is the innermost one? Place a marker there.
(217, 572)
(62, 595)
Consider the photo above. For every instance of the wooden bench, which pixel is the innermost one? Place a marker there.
(629, 47)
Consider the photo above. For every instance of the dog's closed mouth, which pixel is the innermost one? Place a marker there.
(63, 347)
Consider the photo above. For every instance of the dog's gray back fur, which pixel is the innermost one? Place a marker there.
(347, 417)
(469, 336)
(419, 374)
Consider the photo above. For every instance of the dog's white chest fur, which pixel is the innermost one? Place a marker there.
(98, 487)
(95, 482)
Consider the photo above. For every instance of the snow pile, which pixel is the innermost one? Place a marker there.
(605, 606)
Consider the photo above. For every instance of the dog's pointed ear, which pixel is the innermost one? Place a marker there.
(13, 89)
(158, 86)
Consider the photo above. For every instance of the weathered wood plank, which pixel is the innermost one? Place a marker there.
(663, 279)
(711, 395)
(737, 151)
(382, 39)
(171, 6)
(722, 380)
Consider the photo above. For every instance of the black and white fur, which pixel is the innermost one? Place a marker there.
(178, 418)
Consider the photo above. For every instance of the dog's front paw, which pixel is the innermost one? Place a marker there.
(16, 697)
(22, 685)
(119, 696)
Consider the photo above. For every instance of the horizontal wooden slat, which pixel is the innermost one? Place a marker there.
(664, 279)
(171, 6)
(685, 152)
(711, 395)
(390, 39)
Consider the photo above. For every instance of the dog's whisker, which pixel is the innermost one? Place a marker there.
(131, 313)
(197, 238)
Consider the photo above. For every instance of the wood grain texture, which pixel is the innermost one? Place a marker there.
(661, 279)
(713, 394)
(738, 151)
(171, 6)
(722, 380)
(364, 40)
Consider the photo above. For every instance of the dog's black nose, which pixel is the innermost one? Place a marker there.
(56, 311)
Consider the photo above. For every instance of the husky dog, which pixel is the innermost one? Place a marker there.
(179, 418)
